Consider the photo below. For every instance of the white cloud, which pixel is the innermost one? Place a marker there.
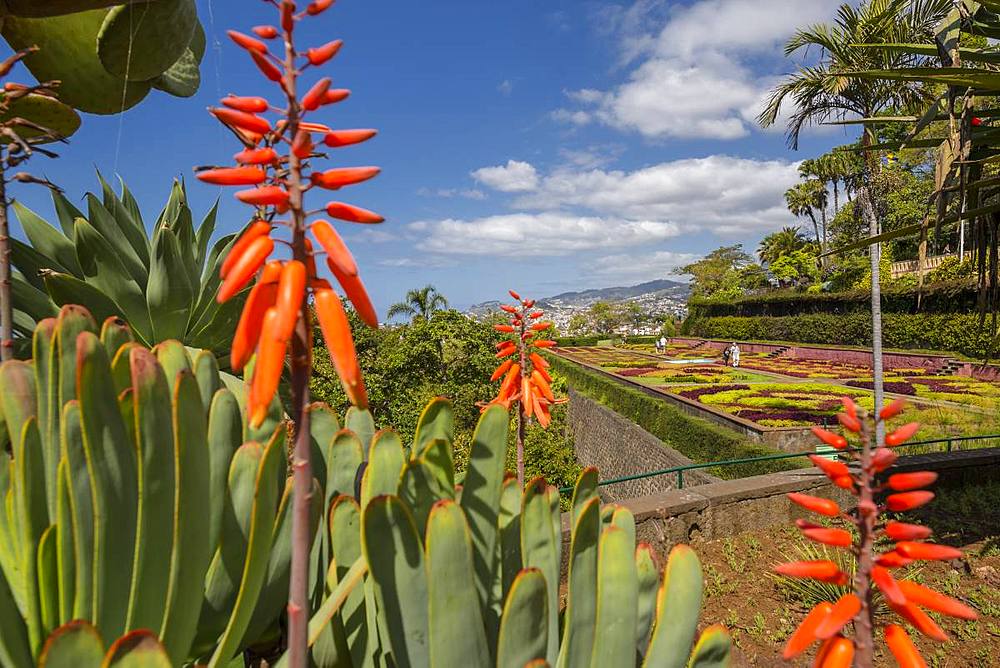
(449, 193)
(538, 234)
(718, 194)
(506, 87)
(690, 83)
(515, 176)
(637, 267)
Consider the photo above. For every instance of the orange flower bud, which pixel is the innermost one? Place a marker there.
(850, 407)
(902, 647)
(849, 423)
(902, 434)
(501, 370)
(232, 176)
(528, 303)
(321, 54)
(904, 501)
(832, 537)
(903, 482)
(352, 214)
(257, 156)
(250, 105)
(538, 361)
(264, 196)
(510, 380)
(514, 295)
(902, 531)
(536, 314)
(287, 15)
(506, 351)
(504, 328)
(266, 67)
(805, 634)
(893, 559)
(844, 482)
(508, 308)
(333, 179)
(815, 504)
(920, 621)
(257, 229)
(267, 370)
(545, 344)
(337, 335)
(927, 551)
(302, 145)
(315, 96)
(261, 298)
(837, 652)
(318, 6)
(831, 468)
(335, 95)
(932, 600)
(339, 138)
(540, 326)
(883, 459)
(893, 409)
(241, 119)
(356, 292)
(247, 42)
(821, 569)
(543, 386)
(888, 585)
(844, 610)
(245, 266)
(265, 32)
(336, 250)
(291, 292)
(831, 439)
(527, 398)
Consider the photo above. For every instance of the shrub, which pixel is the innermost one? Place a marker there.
(698, 439)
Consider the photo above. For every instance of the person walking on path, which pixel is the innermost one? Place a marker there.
(663, 344)
(735, 354)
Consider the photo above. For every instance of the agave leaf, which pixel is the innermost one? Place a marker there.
(67, 290)
(47, 240)
(204, 234)
(712, 649)
(385, 463)
(117, 234)
(29, 502)
(138, 649)
(168, 293)
(46, 389)
(66, 212)
(581, 598)
(540, 549)
(65, 561)
(524, 626)
(436, 422)
(225, 433)
(48, 580)
(161, 31)
(677, 606)
(617, 591)
(130, 224)
(14, 647)
(72, 645)
(32, 264)
(80, 485)
(33, 302)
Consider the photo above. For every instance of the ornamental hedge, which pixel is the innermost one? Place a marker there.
(956, 332)
(695, 438)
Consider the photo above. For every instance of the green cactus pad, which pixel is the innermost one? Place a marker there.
(139, 42)
(45, 111)
(184, 76)
(66, 53)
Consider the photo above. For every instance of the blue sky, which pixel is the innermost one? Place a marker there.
(545, 145)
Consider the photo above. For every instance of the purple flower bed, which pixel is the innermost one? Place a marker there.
(946, 386)
(756, 415)
(637, 371)
(894, 386)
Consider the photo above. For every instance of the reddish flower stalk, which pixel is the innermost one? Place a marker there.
(901, 492)
(278, 161)
(526, 380)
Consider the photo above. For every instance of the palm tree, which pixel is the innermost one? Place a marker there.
(419, 304)
(803, 199)
(785, 241)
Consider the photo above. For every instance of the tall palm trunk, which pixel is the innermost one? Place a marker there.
(815, 223)
(836, 196)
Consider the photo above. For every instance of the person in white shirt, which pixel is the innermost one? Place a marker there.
(735, 354)
(663, 344)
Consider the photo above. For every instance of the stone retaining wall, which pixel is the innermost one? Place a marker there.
(619, 447)
(730, 507)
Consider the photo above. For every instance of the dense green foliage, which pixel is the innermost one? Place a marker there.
(446, 355)
(693, 437)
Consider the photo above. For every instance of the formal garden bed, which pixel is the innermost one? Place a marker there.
(954, 389)
(762, 610)
(818, 368)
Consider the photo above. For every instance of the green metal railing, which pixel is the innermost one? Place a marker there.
(949, 445)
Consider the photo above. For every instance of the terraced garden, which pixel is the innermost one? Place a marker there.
(777, 392)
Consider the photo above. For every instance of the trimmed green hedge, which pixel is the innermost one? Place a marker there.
(956, 332)
(695, 438)
(594, 340)
(949, 297)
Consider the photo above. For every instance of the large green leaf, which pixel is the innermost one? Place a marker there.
(47, 240)
(72, 645)
(169, 293)
(139, 42)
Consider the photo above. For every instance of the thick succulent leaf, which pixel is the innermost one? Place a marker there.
(191, 551)
(115, 333)
(347, 585)
(48, 580)
(265, 502)
(649, 584)
(436, 422)
(72, 645)
(225, 433)
(18, 399)
(540, 549)
(385, 463)
(138, 649)
(103, 269)
(14, 647)
(323, 428)
(584, 490)
(29, 502)
(31, 301)
(344, 526)
(130, 203)
(82, 506)
(47, 112)
(206, 373)
(139, 42)
(155, 450)
(617, 591)
(418, 489)
(43, 354)
(481, 502)
(112, 462)
(457, 634)
(441, 465)
(47, 240)
(129, 223)
(362, 424)
(712, 649)
(66, 212)
(168, 293)
(173, 356)
(524, 626)
(66, 52)
(509, 523)
(67, 290)
(65, 560)
(678, 605)
(204, 235)
(581, 595)
(394, 554)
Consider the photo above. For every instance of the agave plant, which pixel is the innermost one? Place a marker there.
(136, 498)
(108, 54)
(414, 567)
(163, 287)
